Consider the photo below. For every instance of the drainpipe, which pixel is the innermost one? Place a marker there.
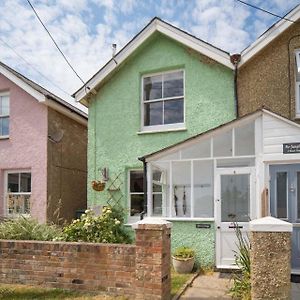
(142, 159)
(235, 59)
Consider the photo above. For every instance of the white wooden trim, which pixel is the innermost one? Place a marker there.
(297, 54)
(269, 35)
(166, 29)
(297, 93)
(26, 87)
(149, 191)
(192, 190)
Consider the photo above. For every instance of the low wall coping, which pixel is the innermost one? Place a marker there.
(270, 224)
(152, 223)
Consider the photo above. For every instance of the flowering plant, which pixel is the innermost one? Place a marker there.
(106, 228)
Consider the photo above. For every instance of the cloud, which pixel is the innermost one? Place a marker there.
(85, 30)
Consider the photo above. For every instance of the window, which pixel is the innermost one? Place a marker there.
(136, 192)
(4, 115)
(297, 83)
(18, 192)
(163, 100)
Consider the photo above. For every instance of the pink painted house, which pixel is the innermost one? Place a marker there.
(43, 141)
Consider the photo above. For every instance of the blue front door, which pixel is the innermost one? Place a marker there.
(285, 203)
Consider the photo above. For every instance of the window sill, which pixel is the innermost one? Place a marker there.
(162, 130)
(4, 137)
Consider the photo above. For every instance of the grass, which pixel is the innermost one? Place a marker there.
(25, 292)
(177, 281)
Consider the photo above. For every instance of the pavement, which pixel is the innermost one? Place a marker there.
(216, 286)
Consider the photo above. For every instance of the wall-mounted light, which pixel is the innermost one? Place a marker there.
(105, 176)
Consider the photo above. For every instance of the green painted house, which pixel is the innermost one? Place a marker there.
(163, 87)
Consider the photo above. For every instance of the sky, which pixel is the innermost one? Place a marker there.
(85, 30)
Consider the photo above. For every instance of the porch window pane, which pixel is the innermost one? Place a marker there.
(157, 204)
(298, 195)
(203, 189)
(235, 198)
(281, 194)
(181, 176)
(223, 144)
(244, 140)
(199, 150)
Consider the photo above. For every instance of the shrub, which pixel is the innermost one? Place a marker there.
(106, 228)
(184, 252)
(241, 280)
(23, 228)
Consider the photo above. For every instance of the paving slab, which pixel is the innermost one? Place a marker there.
(216, 286)
(207, 287)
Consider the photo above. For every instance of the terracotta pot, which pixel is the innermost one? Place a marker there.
(183, 265)
(98, 185)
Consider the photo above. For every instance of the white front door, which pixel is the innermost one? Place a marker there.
(234, 204)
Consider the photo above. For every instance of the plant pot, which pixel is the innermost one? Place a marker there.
(98, 185)
(183, 265)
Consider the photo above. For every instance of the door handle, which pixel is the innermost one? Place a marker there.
(232, 226)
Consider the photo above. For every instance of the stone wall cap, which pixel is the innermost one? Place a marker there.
(152, 223)
(270, 224)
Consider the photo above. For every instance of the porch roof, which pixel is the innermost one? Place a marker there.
(214, 131)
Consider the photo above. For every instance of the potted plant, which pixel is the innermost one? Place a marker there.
(183, 259)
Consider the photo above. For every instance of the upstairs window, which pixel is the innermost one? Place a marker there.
(4, 115)
(163, 100)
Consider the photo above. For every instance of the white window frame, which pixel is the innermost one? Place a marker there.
(297, 83)
(132, 218)
(5, 116)
(163, 127)
(6, 193)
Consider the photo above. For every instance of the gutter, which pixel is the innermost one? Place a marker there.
(143, 160)
(235, 59)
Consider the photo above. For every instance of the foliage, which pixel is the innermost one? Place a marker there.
(106, 228)
(178, 281)
(241, 280)
(184, 252)
(23, 228)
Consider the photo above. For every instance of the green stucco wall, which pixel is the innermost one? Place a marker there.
(114, 113)
(202, 240)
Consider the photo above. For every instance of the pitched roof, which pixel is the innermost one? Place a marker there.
(155, 25)
(37, 91)
(270, 34)
(251, 115)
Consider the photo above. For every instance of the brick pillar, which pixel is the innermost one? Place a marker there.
(270, 257)
(153, 254)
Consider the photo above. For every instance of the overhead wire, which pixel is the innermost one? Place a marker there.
(266, 11)
(53, 40)
(32, 66)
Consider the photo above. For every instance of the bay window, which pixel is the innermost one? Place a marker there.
(4, 115)
(18, 192)
(163, 100)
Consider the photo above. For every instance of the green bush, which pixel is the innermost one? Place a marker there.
(23, 228)
(106, 228)
(241, 280)
(184, 252)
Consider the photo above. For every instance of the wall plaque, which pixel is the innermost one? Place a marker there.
(203, 225)
(291, 148)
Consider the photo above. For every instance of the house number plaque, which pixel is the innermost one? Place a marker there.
(291, 148)
(207, 226)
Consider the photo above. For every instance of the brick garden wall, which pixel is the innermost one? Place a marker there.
(140, 271)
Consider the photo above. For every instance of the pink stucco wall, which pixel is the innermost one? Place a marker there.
(26, 147)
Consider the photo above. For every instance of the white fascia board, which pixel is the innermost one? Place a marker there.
(269, 36)
(168, 30)
(281, 118)
(196, 44)
(66, 111)
(112, 65)
(23, 85)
